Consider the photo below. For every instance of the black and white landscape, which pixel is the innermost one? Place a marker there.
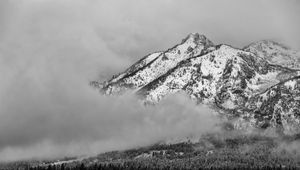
(162, 84)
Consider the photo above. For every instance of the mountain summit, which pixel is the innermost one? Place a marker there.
(157, 64)
(259, 83)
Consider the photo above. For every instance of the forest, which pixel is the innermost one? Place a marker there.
(212, 151)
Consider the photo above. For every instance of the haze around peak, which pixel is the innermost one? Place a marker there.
(51, 49)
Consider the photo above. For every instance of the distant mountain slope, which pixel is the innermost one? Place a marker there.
(275, 53)
(278, 106)
(233, 80)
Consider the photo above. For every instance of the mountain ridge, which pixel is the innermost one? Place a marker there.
(221, 75)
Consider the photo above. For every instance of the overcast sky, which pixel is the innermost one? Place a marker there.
(51, 49)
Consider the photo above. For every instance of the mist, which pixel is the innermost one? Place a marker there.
(50, 50)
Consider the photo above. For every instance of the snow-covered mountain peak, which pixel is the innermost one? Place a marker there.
(157, 64)
(193, 37)
(198, 39)
(239, 82)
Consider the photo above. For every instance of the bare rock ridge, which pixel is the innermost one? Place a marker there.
(156, 64)
(259, 83)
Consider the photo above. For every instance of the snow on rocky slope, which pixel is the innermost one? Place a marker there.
(275, 53)
(240, 82)
(278, 106)
(157, 64)
(222, 74)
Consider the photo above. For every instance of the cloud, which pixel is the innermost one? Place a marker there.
(50, 50)
(84, 123)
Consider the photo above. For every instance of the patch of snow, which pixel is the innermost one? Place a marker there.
(291, 84)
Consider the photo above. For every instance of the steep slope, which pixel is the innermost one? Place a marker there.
(135, 67)
(278, 106)
(258, 83)
(225, 76)
(275, 53)
(130, 71)
(157, 64)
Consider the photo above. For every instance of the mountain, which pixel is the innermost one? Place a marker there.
(275, 53)
(259, 83)
(156, 64)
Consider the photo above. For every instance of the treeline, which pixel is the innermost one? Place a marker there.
(211, 152)
(141, 167)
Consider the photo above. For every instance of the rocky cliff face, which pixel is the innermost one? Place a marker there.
(259, 83)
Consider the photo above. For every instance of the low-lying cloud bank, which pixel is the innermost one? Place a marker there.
(47, 107)
(83, 122)
(50, 50)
